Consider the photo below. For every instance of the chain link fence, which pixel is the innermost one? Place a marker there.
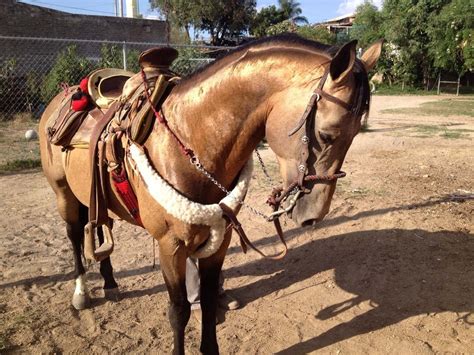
(33, 69)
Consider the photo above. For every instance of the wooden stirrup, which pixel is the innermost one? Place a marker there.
(103, 251)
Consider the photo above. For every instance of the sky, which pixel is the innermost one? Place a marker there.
(314, 10)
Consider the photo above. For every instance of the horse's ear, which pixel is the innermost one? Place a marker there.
(343, 61)
(372, 54)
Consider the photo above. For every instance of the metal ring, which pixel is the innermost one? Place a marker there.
(318, 97)
(302, 168)
(305, 139)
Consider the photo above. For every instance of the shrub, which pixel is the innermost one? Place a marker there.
(70, 67)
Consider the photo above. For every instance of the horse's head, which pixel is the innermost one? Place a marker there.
(314, 142)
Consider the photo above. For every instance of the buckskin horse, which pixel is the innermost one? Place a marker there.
(305, 98)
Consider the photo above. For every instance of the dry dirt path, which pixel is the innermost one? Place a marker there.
(390, 270)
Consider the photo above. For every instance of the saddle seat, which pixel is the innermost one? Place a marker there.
(106, 85)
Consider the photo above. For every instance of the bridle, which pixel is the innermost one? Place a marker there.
(279, 195)
(297, 187)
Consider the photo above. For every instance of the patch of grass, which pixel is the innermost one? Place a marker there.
(20, 164)
(409, 90)
(453, 134)
(397, 90)
(449, 107)
(17, 152)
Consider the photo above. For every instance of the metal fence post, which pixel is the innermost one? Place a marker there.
(124, 55)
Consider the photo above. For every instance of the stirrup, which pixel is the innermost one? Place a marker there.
(103, 251)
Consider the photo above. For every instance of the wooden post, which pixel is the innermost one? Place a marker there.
(439, 81)
(459, 82)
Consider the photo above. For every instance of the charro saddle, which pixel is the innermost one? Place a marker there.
(107, 110)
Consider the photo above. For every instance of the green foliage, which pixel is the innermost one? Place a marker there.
(292, 11)
(20, 164)
(406, 26)
(111, 56)
(272, 20)
(189, 60)
(320, 34)
(223, 19)
(179, 13)
(422, 37)
(367, 26)
(18, 93)
(451, 32)
(282, 27)
(7, 85)
(70, 67)
(265, 18)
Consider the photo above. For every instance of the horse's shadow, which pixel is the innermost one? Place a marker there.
(402, 272)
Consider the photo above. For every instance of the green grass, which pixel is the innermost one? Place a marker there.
(397, 90)
(408, 90)
(449, 107)
(19, 165)
(428, 131)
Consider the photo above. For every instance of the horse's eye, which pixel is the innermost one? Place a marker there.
(326, 138)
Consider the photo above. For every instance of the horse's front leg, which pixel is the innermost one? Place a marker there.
(173, 265)
(209, 270)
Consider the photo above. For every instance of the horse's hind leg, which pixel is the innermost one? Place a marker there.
(75, 233)
(111, 290)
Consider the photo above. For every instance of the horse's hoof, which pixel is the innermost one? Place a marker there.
(112, 294)
(80, 302)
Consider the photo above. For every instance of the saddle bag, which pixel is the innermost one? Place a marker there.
(64, 124)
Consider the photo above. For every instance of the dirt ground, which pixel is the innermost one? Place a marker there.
(390, 269)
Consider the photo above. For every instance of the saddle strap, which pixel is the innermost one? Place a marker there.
(98, 204)
(244, 241)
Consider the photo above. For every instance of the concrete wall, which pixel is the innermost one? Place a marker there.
(24, 20)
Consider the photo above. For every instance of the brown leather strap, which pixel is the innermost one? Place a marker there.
(333, 99)
(98, 204)
(244, 241)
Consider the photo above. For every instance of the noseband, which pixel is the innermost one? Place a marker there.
(297, 188)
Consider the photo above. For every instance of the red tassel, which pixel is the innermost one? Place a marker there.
(126, 193)
(80, 104)
(84, 85)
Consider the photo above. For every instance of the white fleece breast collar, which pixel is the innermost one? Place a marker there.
(186, 210)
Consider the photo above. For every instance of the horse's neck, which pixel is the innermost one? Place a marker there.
(221, 118)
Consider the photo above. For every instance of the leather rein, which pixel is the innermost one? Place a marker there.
(279, 195)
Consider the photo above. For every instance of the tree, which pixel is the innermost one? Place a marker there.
(319, 34)
(292, 11)
(70, 67)
(367, 26)
(179, 13)
(451, 38)
(406, 27)
(225, 19)
(265, 18)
